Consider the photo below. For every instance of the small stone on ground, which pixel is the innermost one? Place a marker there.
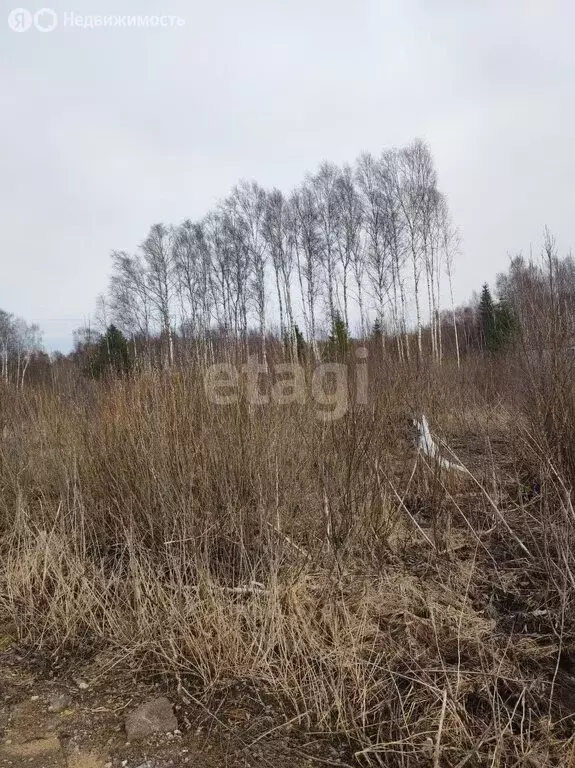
(154, 716)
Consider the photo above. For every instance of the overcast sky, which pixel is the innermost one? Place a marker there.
(105, 131)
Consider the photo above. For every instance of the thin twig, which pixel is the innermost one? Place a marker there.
(437, 752)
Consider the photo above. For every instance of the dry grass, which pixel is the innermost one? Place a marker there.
(428, 619)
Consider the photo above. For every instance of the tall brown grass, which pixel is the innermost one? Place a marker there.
(428, 619)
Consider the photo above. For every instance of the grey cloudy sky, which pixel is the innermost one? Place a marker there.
(106, 131)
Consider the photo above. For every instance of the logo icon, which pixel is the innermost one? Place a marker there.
(45, 20)
(19, 20)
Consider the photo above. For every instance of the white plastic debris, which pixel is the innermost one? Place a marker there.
(429, 448)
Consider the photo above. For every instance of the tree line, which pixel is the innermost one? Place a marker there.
(365, 243)
(19, 342)
(532, 307)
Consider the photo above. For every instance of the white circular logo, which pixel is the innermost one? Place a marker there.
(20, 20)
(45, 20)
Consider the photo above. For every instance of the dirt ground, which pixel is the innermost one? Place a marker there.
(62, 716)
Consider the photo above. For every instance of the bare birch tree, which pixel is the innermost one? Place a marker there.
(349, 221)
(416, 178)
(307, 247)
(394, 236)
(157, 253)
(251, 202)
(6, 340)
(451, 248)
(236, 260)
(323, 185)
(221, 272)
(377, 254)
(280, 233)
(129, 299)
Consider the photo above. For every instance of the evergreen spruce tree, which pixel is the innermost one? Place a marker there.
(486, 312)
(112, 355)
(506, 323)
(339, 339)
(496, 322)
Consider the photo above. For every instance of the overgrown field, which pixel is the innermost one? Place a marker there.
(427, 618)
